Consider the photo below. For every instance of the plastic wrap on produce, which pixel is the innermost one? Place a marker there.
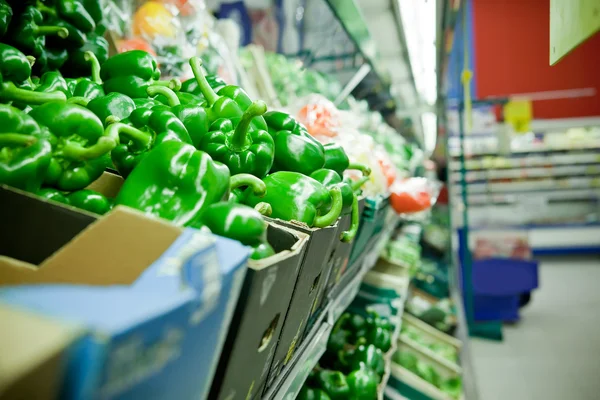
(173, 31)
(413, 198)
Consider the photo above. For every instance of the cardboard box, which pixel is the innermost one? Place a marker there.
(259, 317)
(307, 293)
(156, 298)
(33, 354)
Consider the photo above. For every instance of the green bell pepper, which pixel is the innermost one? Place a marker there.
(53, 194)
(81, 146)
(14, 65)
(238, 222)
(191, 85)
(90, 200)
(179, 191)
(294, 196)
(353, 322)
(363, 355)
(6, 14)
(374, 320)
(281, 121)
(242, 149)
(337, 160)
(297, 153)
(218, 106)
(55, 58)
(111, 107)
(379, 337)
(242, 99)
(262, 250)
(73, 40)
(307, 393)
(52, 82)
(132, 73)
(363, 384)
(24, 153)
(133, 146)
(27, 33)
(76, 13)
(78, 64)
(88, 88)
(193, 116)
(329, 178)
(334, 384)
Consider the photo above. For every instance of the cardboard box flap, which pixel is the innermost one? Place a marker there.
(29, 345)
(114, 250)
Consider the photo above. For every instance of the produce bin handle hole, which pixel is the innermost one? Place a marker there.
(268, 335)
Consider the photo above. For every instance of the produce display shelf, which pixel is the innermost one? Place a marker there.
(529, 150)
(290, 381)
(397, 321)
(534, 185)
(533, 172)
(503, 163)
(469, 385)
(485, 199)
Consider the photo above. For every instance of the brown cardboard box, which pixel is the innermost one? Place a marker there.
(259, 317)
(33, 354)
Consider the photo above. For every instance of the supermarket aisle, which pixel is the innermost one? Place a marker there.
(554, 352)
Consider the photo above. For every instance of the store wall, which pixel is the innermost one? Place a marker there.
(511, 50)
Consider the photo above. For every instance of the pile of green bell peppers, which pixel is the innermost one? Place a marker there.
(353, 364)
(199, 154)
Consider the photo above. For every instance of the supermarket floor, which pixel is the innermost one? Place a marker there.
(554, 352)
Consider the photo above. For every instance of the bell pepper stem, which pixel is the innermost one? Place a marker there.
(10, 92)
(238, 139)
(77, 152)
(366, 171)
(350, 234)
(258, 187)
(264, 208)
(336, 208)
(93, 60)
(172, 98)
(82, 101)
(17, 139)
(44, 9)
(207, 91)
(118, 129)
(355, 185)
(31, 60)
(173, 84)
(51, 30)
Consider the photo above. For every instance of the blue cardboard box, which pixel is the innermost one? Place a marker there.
(155, 299)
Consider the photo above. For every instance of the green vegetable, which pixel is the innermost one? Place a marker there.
(363, 384)
(179, 191)
(28, 34)
(112, 107)
(191, 85)
(239, 222)
(53, 194)
(55, 58)
(330, 179)
(132, 73)
(379, 337)
(334, 384)
(363, 355)
(75, 12)
(219, 106)
(24, 153)
(88, 88)
(78, 64)
(81, 146)
(281, 121)
(307, 393)
(294, 196)
(14, 65)
(242, 149)
(90, 200)
(242, 99)
(337, 160)
(52, 82)
(297, 153)
(192, 116)
(6, 14)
